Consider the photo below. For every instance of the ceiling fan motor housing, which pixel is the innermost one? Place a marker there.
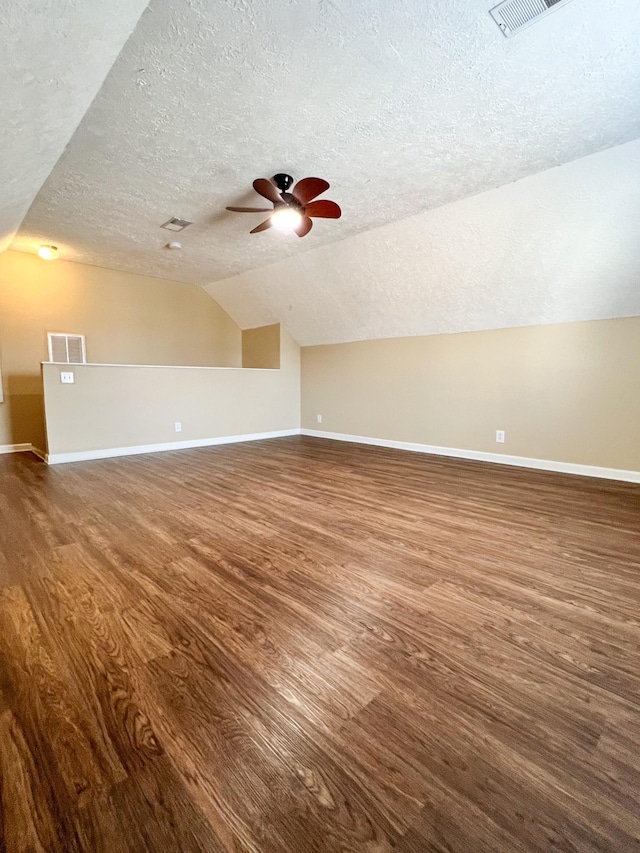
(291, 201)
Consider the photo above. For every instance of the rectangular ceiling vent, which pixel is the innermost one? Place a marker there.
(175, 224)
(514, 15)
(67, 349)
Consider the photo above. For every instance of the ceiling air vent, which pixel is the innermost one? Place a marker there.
(514, 15)
(175, 224)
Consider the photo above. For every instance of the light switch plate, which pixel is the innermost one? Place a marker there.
(66, 378)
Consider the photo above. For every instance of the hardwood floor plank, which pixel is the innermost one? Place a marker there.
(26, 824)
(301, 646)
(42, 699)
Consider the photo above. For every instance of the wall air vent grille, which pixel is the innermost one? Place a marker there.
(67, 349)
(514, 15)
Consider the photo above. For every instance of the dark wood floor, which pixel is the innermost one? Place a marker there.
(300, 645)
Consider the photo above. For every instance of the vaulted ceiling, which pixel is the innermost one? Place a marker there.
(556, 247)
(55, 57)
(404, 107)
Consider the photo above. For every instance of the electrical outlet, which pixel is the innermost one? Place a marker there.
(319, 419)
(178, 426)
(67, 378)
(500, 436)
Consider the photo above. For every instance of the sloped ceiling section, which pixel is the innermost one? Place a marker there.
(55, 56)
(555, 247)
(401, 106)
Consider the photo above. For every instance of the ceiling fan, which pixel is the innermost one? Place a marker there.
(292, 211)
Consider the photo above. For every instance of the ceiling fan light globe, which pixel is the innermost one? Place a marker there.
(285, 219)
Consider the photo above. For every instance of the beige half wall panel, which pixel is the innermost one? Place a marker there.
(115, 407)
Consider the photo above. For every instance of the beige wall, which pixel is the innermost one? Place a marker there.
(115, 407)
(568, 393)
(261, 347)
(126, 319)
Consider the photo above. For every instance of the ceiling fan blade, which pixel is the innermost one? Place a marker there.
(267, 190)
(250, 209)
(262, 227)
(323, 209)
(309, 188)
(304, 227)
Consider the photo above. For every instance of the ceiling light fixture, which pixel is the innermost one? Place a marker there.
(285, 218)
(48, 253)
(295, 210)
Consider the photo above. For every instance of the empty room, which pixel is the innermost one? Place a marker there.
(320, 426)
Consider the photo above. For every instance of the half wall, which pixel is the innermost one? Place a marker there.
(117, 410)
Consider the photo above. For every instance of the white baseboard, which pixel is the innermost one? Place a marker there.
(480, 456)
(454, 452)
(14, 448)
(108, 453)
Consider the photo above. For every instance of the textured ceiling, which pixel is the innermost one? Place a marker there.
(402, 106)
(55, 56)
(555, 247)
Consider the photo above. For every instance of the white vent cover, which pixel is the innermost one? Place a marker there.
(176, 224)
(67, 349)
(514, 15)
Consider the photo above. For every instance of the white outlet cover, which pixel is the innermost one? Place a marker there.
(178, 426)
(500, 436)
(319, 418)
(66, 377)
